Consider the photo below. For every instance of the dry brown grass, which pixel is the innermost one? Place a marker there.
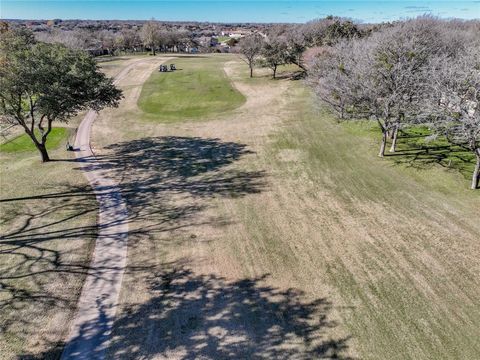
(260, 234)
(189, 284)
(48, 226)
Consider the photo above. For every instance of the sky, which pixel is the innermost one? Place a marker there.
(236, 10)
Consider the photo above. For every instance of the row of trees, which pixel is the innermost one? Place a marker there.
(150, 36)
(155, 38)
(422, 71)
(286, 44)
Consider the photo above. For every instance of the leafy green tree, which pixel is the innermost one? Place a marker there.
(3, 26)
(42, 83)
(340, 29)
(232, 42)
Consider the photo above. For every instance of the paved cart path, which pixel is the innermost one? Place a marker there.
(89, 334)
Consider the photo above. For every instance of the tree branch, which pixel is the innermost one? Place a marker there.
(49, 128)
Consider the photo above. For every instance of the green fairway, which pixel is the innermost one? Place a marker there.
(24, 143)
(198, 89)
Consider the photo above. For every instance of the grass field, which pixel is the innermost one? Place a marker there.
(23, 142)
(198, 89)
(268, 230)
(415, 150)
(47, 225)
(276, 232)
(396, 237)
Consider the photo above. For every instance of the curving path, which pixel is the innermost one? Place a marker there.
(91, 327)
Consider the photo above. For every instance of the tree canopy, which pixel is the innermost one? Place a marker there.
(422, 71)
(41, 83)
(250, 48)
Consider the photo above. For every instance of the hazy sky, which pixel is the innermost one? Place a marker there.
(235, 10)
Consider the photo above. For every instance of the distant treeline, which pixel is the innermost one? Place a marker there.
(102, 37)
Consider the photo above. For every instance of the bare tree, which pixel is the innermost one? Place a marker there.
(150, 35)
(73, 39)
(275, 52)
(108, 40)
(130, 39)
(343, 78)
(250, 48)
(454, 103)
(383, 76)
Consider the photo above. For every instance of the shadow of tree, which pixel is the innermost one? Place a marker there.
(196, 316)
(152, 172)
(424, 156)
(33, 259)
(179, 164)
(149, 172)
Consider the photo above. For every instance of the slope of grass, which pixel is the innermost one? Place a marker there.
(223, 38)
(197, 90)
(24, 143)
(398, 242)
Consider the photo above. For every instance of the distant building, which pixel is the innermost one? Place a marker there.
(237, 34)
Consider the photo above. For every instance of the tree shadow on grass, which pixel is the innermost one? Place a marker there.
(204, 316)
(149, 173)
(43, 248)
(413, 151)
(452, 158)
(292, 75)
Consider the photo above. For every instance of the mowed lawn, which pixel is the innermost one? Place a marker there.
(48, 227)
(23, 142)
(274, 231)
(270, 231)
(397, 238)
(197, 89)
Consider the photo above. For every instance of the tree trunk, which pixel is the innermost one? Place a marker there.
(476, 171)
(251, 71)
(274, 71)
(394, 139)
(43, 152)
(384, 143)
